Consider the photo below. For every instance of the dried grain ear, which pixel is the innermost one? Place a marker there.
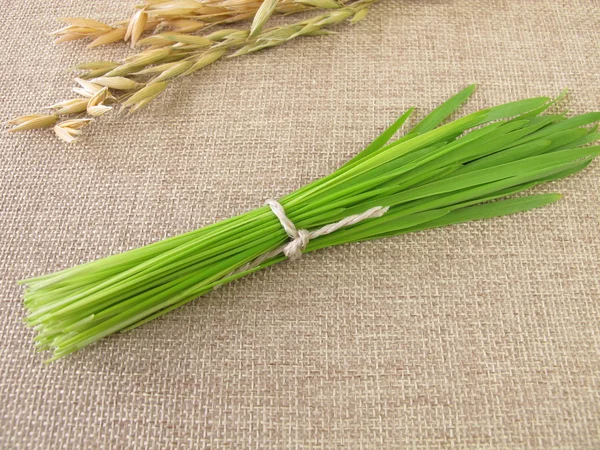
(87, 89)
(200, 41)
(96, 65)
(72, 106)
(174, 54)
(67, 38)
(86, 23)
(174, 9)
(69, 130)
(174, 71)
(155, 69)
(360, 15)
(95, 106)
(32, 122)
(206, 59)
(144, 96)
(142, 59)
(136, 26)
(114, 35)
(119, 83)
(185, 25)
(323, 4)
(263, 14)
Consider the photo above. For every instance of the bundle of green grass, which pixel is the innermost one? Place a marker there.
(434, 175)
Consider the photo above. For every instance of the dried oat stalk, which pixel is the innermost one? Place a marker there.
(139, 79)
(184, 16)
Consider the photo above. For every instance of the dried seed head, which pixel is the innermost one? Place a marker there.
(237, 17)
(360, 15)
(87, 89)
(188, 16)
(323, 4)
(72, 106)
(184, 25)
(177, 53)
(156, 69)
(96, 65)
(95, 106)
(136, 26)
(155, 41)
(174, 71)
(119, 83)
(306, 30)
(206, 59)
(95, 73)
(139, 105)
(149, 56)
(78, 31)
(225, 34)
(69, 130)
(68, 38)
(114, 35)
(281, 34)
(145, 95)
(336, 16)
(187, 39)
(320, 32)
(263, 14)
(85, 23)
(174, 8)
(98, 110)
(140, 60)
(33, 121)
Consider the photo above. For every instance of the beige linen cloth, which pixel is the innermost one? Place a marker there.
(484, 335)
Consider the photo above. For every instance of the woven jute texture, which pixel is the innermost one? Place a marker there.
(484, 335)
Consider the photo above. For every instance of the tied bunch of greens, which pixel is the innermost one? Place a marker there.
(434, 175)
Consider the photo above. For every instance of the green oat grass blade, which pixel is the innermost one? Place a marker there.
(437, 174)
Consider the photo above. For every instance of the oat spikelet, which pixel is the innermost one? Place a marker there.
(96, 65)
(144, 96)
(206, 59)
(87, 89)
(118, 83)
(177, 69)
(182, 25)
(323, 4)
(156, 69)
(360, 15)
(114, 35)
(79, 28)
(136, 27)
(73, 106)
(140, 60)
(86, 23)
(32, 122)
(199, 41)
(95, 106)
(69, 130)
(263, 14)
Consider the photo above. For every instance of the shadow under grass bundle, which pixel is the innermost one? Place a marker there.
(435, 175)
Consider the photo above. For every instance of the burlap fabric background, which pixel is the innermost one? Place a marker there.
(485, 335)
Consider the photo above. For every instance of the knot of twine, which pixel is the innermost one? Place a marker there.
(301, 238)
